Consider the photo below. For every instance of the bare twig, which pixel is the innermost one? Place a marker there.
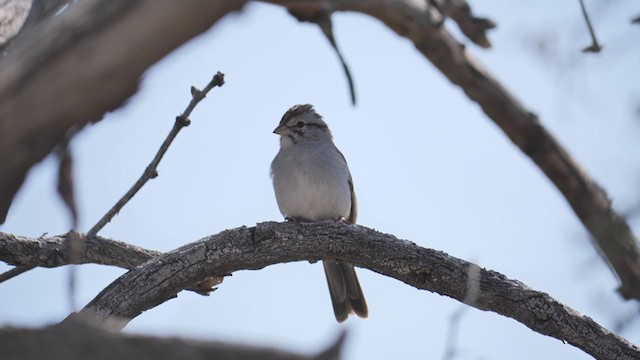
(595, 46)
(14, 272)
(152, 169)
(322, 18)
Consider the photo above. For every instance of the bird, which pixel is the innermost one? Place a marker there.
(312, 182)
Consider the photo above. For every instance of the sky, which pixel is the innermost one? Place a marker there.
(427, 164)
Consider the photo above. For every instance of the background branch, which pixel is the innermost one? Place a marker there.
(160, 279)
(78, 339)
(75, 52)
(54, 252)
(419, 23)
(595, 45)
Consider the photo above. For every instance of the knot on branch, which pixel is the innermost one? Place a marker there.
(183, 121)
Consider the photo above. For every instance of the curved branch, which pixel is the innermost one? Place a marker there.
(269, 243)
(415, 21)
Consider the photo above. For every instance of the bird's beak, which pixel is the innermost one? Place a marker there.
(281, 130)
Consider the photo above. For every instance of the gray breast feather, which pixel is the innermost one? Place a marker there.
(312, 183)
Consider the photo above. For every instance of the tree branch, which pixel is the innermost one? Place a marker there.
(26, 253)
(39, 11)
(54, 251)
(80, 340)
(415, 21)
(595, 45)
(151, 171)
(161, 278)
(474, 28)
(74, 52)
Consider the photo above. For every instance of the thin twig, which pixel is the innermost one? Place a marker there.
(323, 20)
(595, 46)
(14, 272)
(151, 171)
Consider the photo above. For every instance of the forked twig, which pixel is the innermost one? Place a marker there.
(14, 272)
(595, 46)
(151, 171)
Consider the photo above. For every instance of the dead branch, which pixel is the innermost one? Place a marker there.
(27, 253)
(595, 46)
(74, 53)
(474, 28)
(54, 251)
(161, 278)
(151, 171)
(80, 340)
(38, 10)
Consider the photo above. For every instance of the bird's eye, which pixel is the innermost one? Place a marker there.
(299, 124)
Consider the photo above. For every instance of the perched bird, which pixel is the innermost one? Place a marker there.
(312, 182)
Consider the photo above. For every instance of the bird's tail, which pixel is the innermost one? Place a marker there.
(345, 290)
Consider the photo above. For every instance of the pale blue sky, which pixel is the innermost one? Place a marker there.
(428, 166)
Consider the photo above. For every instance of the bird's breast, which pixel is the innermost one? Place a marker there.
(312, 186)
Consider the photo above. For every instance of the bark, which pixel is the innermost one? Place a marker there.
(53, 251)
(49, 252)
(161, 278)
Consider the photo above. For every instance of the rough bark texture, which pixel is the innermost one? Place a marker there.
(161, 278)
(54, 251)
(80, 340)
(94, 53)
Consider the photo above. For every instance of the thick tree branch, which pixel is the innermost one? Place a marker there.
(416, 21)
(54, 251)
(161, 278)
(78, 340)
(73, 53)
(26, 253)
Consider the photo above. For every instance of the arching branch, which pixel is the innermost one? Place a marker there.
(421, 24)
(161, 278)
